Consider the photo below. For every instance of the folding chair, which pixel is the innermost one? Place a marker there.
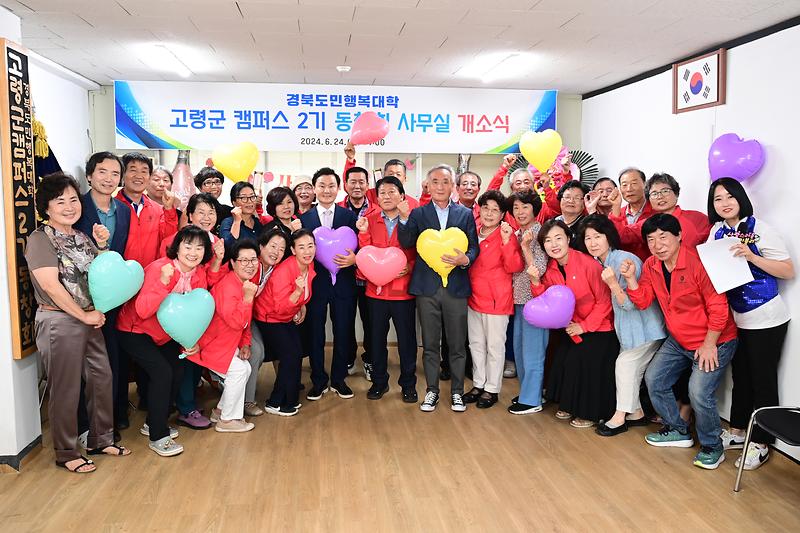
(781, 422)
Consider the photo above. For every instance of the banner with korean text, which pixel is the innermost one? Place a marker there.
(196, 115)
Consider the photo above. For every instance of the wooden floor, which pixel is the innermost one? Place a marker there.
(358, 465)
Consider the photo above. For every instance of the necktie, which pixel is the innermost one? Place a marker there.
(328, 219)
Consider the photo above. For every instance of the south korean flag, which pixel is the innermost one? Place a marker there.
(697, 82)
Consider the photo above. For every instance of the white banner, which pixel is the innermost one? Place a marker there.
(194, 115)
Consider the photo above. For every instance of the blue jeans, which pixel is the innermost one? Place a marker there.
(665, 369)
(192, 373)
(530, 344)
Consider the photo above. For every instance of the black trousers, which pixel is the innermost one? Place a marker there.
(343, 319)
(403, 315)
(364, 312)
(755, 376)
(164, 372)
(284, 340)
(120, 367)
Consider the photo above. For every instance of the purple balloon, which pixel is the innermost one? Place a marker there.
(333, 242)
(551, 310)
(730, 156)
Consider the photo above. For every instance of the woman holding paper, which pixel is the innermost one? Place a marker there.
(582, 376)
(640, 331)
(758, 310)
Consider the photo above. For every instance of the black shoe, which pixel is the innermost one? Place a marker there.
(315, 394)
(342, 390)
(604, 431)
(523, 409)
(473, 395)
(122, 424)
(410, 395)
(515, 399)
(301, 387)
(444, 375)
(376, 392)
(117, 436)
(351, 368)
(632, 423)
(485, 403)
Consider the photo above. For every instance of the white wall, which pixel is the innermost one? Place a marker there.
(634, 125)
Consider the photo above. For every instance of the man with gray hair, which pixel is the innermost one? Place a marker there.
(439, 305)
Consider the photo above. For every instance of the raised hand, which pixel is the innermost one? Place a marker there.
(506, 231)
(168, 199)
(404, 209)
(249, 290)
(509, 160)
(627, 269)
(219, 249)
(101, 235)
(362, 225)
(166, 273)
(236, 213)
(609, 277)
(295, 224)
(534, 274)
(350, 151)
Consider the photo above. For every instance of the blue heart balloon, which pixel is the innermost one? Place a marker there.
(113, 281)
(185, 317)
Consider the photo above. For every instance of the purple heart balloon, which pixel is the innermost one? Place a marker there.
(333, 242)
(551, 310)
(732, 157)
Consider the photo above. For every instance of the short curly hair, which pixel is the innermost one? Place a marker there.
(51, 187)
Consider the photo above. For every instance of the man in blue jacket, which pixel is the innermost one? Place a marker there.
(436, 304)
(103, 171)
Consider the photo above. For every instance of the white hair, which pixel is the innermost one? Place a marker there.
(443, 166)
(519, 172)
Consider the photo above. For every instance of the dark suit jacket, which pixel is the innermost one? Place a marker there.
(424, 281)
(89, 218)
(346, 278)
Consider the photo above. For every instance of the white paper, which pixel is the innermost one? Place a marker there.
(725, 270)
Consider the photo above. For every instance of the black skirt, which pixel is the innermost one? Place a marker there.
(581, 379)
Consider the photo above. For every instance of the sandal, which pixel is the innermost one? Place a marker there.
(487, 399)
(117, 450)
(580, 423)
(77, 469)
(563, 415)
(472, 396)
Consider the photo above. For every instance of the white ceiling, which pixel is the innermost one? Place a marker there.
(572, 45)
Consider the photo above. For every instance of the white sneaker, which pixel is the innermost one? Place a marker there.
(510, 370)
(755, 457)
(731, 441)
(145, 430)
(83, 440)
(430, 401)
(458, 404)
(368, 371)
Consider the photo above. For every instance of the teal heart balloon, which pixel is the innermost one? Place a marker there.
(185, 317)
(113, 281)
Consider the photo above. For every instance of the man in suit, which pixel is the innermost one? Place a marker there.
(341, 297)
(438, 305)
(103, 171)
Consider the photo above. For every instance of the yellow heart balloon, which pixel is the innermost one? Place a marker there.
(433, 244)
(540, 148)
(236, 161)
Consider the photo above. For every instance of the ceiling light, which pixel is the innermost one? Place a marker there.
(497, 65)
(343, 68)
(174, 58)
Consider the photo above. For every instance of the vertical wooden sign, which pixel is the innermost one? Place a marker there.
(16, 150)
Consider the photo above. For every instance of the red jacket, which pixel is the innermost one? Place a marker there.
(593, 311)
(490, 275)
(551, 207)
(138, 315)
(147, 230)
(372, 194)
(273, 304)
(230, 327)
(692, 306)
(162, 249)
(631, 234)
(377, 235)
(694, 229)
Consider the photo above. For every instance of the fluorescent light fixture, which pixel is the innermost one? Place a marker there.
(343, 68)
(177, 58)
(494, 66)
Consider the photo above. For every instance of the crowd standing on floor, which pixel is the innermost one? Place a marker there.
(647, 325)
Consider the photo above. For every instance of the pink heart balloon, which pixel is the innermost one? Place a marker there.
(333, 242)
(369, 128)
(380, 265)
(551, 310)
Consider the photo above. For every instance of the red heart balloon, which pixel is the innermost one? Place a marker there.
(380, 265)
(369, 128)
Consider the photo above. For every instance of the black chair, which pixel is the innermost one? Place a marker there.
(781, 422)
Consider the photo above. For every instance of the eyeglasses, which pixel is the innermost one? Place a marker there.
(247, 199)
(660, 193)
(212, 183)
(252, 261)
(572, 198)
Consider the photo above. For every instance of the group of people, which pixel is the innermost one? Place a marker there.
(645, 309)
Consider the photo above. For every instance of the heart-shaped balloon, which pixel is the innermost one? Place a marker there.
(380, 265)
(540, 148)
(113, 281)
(236, 161)
(185, 317)
(333, 242)
(432, 244)
(551, 310)
(730, 156)
(369, 128)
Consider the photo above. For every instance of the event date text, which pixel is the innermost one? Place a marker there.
(331, 141)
